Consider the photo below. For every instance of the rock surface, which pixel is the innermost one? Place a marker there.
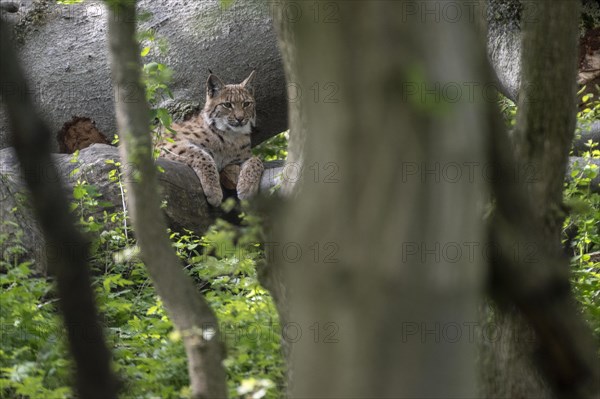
(585, 133)
(504, 44)
(64, 51)
(504, 52)
(186, 204)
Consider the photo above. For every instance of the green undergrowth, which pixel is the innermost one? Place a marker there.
(274, 149)
(581, 229)
(148, 352)
(582, 225)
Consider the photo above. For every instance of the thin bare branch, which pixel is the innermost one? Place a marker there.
(67, 249)
(187, 308)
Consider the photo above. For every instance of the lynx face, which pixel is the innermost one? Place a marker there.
(230, 108)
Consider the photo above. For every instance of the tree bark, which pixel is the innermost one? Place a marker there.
(530, 216)
(68, 258)
(547, 112)
(282, 19)
(270, 272)
(537, 284)
(189, 311)
(372, 295)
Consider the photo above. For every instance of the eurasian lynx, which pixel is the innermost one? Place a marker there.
(218, 139)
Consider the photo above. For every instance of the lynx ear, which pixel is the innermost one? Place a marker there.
(213, 85)
(247, 83)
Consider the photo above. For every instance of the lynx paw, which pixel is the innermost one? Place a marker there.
(249, 179)
(247, 189)
(214, 197)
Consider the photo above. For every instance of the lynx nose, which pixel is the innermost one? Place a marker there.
(240, 119)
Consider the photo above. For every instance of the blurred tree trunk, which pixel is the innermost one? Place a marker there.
(542, 138)
(189, 311)
(284, 23)
(66, 249)
(382, 250)
(547, 108)
(380, 301)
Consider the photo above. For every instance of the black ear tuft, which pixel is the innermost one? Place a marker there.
(247, 83)
(213, 85)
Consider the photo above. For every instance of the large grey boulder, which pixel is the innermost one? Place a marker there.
(504, 52)
(586, 132)
(504, 44)
(504, 39)
(64, 51)
(186, 204)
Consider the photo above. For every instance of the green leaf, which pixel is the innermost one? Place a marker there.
(145, 51)
(78, 192)
(152, 310)
(164, 117)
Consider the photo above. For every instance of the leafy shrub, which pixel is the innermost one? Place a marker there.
(584, 220)
(581, 233)
(32, 361)
(148, 352)
(273, 149)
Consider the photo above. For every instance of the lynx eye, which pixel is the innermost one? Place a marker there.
(247, 104)
(226, 105)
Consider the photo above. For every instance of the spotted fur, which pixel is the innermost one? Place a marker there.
(218, 140)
